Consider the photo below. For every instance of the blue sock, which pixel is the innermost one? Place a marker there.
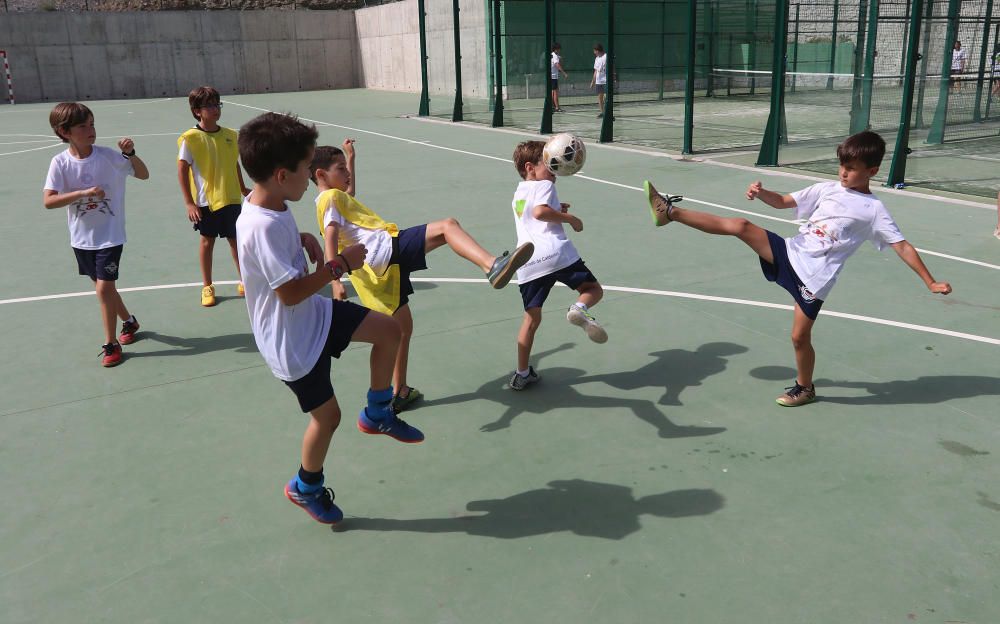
(379, 404)
(308, 482)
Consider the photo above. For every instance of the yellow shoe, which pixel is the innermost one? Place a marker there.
(240, 292)
(208, 296)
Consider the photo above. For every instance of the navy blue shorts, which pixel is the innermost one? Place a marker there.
(783, 273)
(408, 251)
(314, 388)
(218, 224)
(555, 84)
(99, 264)
(601, 88)
(535, 292)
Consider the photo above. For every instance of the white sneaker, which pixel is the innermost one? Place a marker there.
(581, 318)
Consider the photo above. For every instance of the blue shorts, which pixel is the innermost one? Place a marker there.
(784, 275)
(535, 292)
(99, 264)
(408, 251)
(314, 388)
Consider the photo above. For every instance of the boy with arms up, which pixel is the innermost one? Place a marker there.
(839, 217)
(208, 170)
(89, 180)
(383, 284)
(296, 330)
(539, 218)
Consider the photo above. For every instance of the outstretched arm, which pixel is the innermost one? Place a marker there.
(772, 199)
(908, 254)
(348, 147)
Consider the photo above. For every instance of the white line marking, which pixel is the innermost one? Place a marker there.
(599, 180)
(626, 289)
(48, 140)
(34, 149)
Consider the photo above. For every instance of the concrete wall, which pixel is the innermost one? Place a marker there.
(60, 56)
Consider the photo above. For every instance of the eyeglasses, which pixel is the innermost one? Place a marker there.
(218, 106)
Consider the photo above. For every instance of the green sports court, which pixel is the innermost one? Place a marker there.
(648, 479)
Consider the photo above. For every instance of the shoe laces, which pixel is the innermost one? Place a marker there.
(325, 497)
(796, 390)
(108, 349)
(128, 327)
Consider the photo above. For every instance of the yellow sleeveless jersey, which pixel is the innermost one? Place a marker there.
(216, 156)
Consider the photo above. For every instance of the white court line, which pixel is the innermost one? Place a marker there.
(625, 289)
(34, 149)
(47, 140)
(601, 181)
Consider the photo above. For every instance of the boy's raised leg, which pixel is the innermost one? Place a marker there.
(499, 269)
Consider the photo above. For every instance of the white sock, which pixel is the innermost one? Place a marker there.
(582, 306)
(130, 319)
(523, 373)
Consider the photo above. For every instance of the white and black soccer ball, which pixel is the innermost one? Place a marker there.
(564, 154)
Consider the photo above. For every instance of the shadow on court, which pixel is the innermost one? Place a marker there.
(922, 390)
(584, 508)
(557, 389)
(240, 343)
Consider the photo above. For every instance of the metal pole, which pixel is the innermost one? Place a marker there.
(919, 123)
(546, 127)
(456, 112)
(692, 25)
(976, 114)
(897, 170)
(936, 133)
(795, 52)
(906, 34)
(607, 123)
(425, 100)
(833, 44)
(753, 44)
(497, 68)
(768, 156)
(863, 119)
(859, 61)
(663, 52)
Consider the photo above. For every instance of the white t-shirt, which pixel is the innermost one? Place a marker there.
(601, 69)
(199, 181)
(838, 221)
(958, 59)
(554, 65)
(553, 250)
(377, 242)
(291, 338)
(93, 223)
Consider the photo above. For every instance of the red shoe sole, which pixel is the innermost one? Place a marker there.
(364, 429)
(289, 497)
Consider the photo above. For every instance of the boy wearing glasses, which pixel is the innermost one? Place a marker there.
(212, 186)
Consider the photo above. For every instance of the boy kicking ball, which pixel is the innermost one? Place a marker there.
(839, 216)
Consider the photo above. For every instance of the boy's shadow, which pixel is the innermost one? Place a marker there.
(922, 390)
(556, 389)
(584, 508)
(240, 343)
(675, 370)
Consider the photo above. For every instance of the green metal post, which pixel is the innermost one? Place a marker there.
(712, 42)
(862, 121)
(768, 156)
(663, 51)
(456, 111)
(497, 68)
(692, 25)
(936, 132)
(976, 114)
(425, 100)
(752, 54)
(897, 170)
(795, 51)
(607, 123)
(925, 57)
(833, 44)
(858, 64)
(546, 127)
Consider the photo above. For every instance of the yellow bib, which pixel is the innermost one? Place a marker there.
(379, 293)
(216, 155)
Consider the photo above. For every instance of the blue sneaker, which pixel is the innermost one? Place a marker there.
(319, 504)
(392, 426)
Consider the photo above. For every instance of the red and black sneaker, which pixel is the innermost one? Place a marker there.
(111, 355)
(129, 331)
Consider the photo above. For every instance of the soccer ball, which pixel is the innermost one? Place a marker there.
(564, 154)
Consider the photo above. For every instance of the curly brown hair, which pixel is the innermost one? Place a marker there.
(527, 152)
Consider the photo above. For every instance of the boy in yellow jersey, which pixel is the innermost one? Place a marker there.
(208, 170)
(383, 283)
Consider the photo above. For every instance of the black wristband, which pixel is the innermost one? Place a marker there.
(128, 155)
(346, 265)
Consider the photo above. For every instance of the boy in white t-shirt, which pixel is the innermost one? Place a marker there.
(958, 59)
(555, 66)
(539, 217)
(600, 78)
(383, 283)
(296, 330)
(839, 217)
(89, 180)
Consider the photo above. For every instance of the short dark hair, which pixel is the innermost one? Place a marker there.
(201, 97)
(527, 152)
(556, 46)
(599, 48)
(323, 157)
(274, 141)
(65, 115)
(867, 146)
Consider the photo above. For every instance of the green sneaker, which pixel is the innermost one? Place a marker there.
(797, 395)
(659, 204)
(506, 265)
(400, 403)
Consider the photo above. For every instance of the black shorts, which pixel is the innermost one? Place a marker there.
(555, 84)
(99, 264)
(314, 388)
(782, 273)
(409, 252)
(220, 223)
(535, 292)
(601, 88)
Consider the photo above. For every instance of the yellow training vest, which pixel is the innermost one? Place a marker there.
(377, 293)
(216, 156)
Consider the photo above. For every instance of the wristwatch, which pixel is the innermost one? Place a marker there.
(128, 155)
(336, 270)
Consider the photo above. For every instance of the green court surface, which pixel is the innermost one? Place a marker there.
(649, 479)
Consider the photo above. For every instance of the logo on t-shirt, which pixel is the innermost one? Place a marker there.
(519, 207)
(90, 204)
